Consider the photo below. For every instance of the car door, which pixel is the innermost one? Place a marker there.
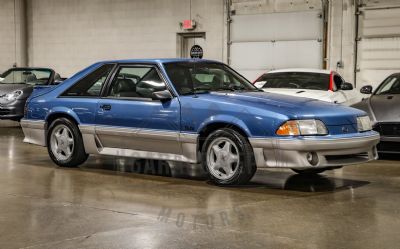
(128, 118)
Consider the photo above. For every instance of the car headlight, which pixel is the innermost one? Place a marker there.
(9, 97)
(302, 127)
(364, 123)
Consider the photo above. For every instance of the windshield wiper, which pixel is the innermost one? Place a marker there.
(197, 91)
(237, 88)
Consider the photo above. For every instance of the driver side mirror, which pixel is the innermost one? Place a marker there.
(163, 96)
(346, 86)
(366, 89)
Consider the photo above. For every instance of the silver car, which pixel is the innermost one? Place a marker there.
(383, 107)
(16, 85)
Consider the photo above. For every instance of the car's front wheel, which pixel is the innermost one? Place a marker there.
(228, 157)
(65, 144)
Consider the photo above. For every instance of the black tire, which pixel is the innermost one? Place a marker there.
(309, 171)
(78, 155)
(246, 167)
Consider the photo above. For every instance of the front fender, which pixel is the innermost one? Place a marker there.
(365, 105)
(227, 119)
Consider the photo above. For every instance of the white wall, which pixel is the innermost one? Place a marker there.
(7, 35)
(12, 34)
(69, 35)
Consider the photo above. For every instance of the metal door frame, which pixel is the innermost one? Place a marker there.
(181, 39)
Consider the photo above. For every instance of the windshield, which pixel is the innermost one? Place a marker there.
(295, 80)
(203, 77)
(390, 86)
(26, 76)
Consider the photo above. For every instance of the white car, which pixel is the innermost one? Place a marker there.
(317, 84)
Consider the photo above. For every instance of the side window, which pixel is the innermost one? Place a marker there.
(338, 82)
(90, 86)
(391, 86)
(136, 82)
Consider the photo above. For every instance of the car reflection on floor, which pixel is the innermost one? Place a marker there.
(267, 178)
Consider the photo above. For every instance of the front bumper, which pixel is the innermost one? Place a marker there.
(14, 111)
(390, 137)
(331, 151)
(389, 145)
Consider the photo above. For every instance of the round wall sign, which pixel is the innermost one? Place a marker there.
(196, 52)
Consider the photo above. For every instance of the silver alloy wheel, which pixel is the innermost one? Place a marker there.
(222, 158)
(62, 142)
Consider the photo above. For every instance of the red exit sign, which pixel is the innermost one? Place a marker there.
(188, 24)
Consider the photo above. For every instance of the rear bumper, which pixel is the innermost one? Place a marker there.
(331, 151)
(34, 131)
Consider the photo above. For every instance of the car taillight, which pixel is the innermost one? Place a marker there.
(331, 81)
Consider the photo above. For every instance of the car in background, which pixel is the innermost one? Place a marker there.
(16, 85)
(193, 111)
(318, 84)
(383, 107)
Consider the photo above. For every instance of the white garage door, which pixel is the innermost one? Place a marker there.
(378, 45)
(264, 42)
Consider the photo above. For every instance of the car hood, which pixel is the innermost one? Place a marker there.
(9, 88)
(293, 107)
(306, 93)
(386, 108)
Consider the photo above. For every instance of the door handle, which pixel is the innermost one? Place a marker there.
(105, 107)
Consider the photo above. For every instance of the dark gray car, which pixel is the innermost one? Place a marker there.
(383, 108)
(17, 84)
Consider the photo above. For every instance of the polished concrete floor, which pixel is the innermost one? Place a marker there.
(109, 203)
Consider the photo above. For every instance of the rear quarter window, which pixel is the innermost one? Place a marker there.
(91, 84)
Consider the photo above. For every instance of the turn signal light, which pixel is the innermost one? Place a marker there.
(307, 127)
(290, 128)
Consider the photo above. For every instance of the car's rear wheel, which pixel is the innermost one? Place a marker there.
(228, 157)
(65, 144)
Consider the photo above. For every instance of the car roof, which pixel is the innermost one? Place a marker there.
(160, 60)
(302, 70)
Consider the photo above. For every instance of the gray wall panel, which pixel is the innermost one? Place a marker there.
(70, 35)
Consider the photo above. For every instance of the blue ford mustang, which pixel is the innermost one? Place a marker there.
(194, 111)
